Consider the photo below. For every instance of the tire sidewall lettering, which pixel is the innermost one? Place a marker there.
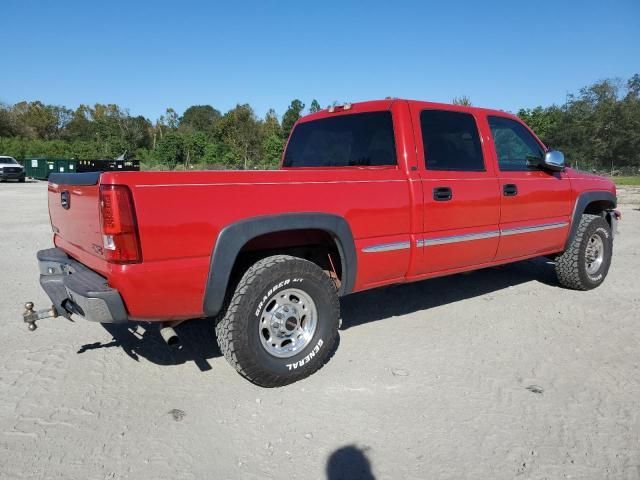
(306, 359)
(275, 289)
(270, 292)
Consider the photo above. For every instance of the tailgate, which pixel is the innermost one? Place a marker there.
(75, 213)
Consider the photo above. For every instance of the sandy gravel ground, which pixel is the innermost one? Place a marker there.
(495, 374)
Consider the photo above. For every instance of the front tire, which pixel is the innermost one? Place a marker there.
(585, 264)
(282, 322)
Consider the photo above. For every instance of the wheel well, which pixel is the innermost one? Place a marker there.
(599, 207)
(317, 246)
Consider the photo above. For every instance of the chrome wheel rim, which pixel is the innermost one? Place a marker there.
(595, 254)
(287, 322)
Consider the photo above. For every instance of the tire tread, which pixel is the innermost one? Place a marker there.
(568, 264)
(229, 332)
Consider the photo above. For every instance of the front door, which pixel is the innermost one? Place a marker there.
(536, 204)
(460, 190)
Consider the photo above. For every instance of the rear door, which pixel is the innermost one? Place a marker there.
(460, 189)
(535, 204)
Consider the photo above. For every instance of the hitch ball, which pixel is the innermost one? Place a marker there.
(30, 316)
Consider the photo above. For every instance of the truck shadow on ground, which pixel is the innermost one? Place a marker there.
(198, 342)
(382, 303)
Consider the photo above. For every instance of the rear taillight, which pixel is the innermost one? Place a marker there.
(119, 226)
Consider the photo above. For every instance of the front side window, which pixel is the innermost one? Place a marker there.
(360, 139)
(516, 148)
(451, 141)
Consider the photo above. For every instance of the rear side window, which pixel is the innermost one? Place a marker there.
(516, 148)
(361, 139)
(451, 141)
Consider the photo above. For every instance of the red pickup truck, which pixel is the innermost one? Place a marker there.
(369, 194)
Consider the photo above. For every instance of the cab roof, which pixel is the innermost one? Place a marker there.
(379, 105)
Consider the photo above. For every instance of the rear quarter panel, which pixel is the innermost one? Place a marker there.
(180, 215)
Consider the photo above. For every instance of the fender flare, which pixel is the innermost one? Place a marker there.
(584, 199)
(234, 236)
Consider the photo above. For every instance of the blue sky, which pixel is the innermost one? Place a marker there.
(146, 56)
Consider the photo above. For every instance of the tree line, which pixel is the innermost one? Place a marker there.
(598, 129)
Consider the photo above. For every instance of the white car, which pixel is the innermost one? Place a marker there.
(10, 169)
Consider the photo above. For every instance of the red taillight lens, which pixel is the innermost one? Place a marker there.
(119, 226)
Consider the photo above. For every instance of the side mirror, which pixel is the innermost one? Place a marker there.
(554, 161)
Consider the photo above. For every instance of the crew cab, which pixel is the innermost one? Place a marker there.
(368, 194)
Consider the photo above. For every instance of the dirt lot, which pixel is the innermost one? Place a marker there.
(490, 375)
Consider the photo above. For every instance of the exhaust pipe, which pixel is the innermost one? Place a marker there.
(169, 335)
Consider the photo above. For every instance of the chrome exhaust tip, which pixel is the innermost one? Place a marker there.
(170, 336)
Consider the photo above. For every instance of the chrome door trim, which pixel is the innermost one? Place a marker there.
(428, 242)
(386, 247)
(533, 228)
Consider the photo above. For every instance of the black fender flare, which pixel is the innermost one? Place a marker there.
(234, 236)
(606, 198)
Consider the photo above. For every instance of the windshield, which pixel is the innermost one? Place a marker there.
(6, 160)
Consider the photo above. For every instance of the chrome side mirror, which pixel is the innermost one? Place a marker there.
(554, 161)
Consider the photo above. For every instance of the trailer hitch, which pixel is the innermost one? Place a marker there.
(31, 316)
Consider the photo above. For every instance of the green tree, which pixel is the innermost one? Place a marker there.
(80, 126)
(200, 118)
(291, 116)
(239, 131)
(170, 149)
(315, 106)
(194, 147)
(7, 127)
(37, 120)
(463, 100)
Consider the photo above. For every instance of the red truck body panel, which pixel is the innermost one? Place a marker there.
(181, 214)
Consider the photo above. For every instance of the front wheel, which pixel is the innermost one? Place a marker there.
(585, 264)
(282, 322)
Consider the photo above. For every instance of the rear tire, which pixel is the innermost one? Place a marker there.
(585, 264)
(281, 324)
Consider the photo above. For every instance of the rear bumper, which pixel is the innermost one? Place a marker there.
(74, 288)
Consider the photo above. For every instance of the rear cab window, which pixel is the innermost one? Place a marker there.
(351, 140)
(451, 141)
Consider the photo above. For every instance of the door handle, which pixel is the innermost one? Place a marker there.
(510, 190)
(442, 194)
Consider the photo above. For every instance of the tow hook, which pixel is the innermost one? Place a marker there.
(31, 316)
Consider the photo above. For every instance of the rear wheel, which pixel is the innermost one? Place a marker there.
(585, 264)
(282, 322)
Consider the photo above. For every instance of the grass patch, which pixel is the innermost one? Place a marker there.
(626, 180)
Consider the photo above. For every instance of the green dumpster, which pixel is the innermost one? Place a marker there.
(41, 167)
(65, 166)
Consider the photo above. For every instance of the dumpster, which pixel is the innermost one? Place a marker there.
(41, 167)
(108, 165)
